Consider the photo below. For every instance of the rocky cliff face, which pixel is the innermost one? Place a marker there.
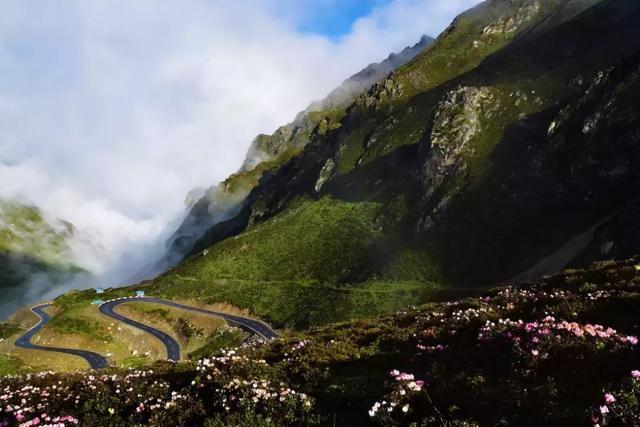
(362, 81)
(458, 119)
(324, 115)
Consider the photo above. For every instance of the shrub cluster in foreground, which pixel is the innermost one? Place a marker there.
(562, 351)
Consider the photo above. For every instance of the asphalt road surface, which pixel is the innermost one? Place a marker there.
(95, 360)
(173, 348)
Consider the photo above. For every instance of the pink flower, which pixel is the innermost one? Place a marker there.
(604, 409)
(632, 340)
(635, 374)
(535, 352)
(609, 398)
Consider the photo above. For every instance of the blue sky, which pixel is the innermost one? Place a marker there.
(334, 19)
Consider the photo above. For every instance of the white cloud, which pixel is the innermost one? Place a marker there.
(112, 110)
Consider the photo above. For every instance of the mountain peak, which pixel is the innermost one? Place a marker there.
(364, 79)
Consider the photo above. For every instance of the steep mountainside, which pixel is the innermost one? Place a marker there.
(34, 254)
(508, 149)
(362, 81)
(268, 152)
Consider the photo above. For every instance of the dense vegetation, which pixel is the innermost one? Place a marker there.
(562, 351)
(304, 267)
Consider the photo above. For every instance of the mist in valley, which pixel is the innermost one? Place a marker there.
(110, 116)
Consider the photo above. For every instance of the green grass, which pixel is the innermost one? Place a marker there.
(135, 362)
(10, 365)
(463, 46)
(297, 269)
(71, 323)
(302, 304)
(325, 240)
(308, 266)
(7, 330)
(147, 309)
(244, 181)
(413, 264)
(71, 320)
(325, 120)
(218, 340)
(459, 52)
(352, 147)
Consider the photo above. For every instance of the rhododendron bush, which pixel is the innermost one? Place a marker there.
(563, 351)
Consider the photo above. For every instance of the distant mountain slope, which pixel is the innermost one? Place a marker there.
(34, 254)
(268, 152)
(360, 82)
(25, 231)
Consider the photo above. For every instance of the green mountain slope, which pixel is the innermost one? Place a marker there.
(295, 269)
(25, 231)
(34, 255)
(269, 152)
(506, 150)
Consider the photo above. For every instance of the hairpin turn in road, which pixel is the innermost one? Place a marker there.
(94, 360)
(173, 348)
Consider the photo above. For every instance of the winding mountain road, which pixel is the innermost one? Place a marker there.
(173, 348)
(95, 360)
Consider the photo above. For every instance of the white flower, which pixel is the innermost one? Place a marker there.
(405, 408)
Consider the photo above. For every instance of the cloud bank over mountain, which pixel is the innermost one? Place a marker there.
(111, 111)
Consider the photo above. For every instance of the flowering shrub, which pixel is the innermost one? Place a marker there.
(621, 407)
(570, 360)
(540, 337)
(147, 397)
(396, 405)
